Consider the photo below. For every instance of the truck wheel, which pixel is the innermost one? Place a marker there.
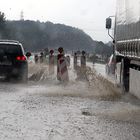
(125, 65)
(121, 75)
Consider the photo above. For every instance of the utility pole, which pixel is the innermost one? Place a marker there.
(22, 15)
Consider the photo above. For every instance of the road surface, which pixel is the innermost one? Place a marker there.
(49, 110)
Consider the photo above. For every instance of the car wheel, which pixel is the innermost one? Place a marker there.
(7, 78)
(24, 75)
(24, 78)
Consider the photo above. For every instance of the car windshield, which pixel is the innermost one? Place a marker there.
(69, 69)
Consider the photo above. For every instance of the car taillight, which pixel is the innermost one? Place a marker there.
(21, 58)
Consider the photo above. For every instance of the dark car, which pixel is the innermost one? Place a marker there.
(13, 62)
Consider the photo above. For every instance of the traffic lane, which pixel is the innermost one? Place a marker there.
(63, 119)
(100, 69)
(57, 112)
(74, 111)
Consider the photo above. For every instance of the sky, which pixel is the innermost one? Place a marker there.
(88, 15)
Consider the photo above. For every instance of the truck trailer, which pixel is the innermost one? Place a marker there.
(126, 41)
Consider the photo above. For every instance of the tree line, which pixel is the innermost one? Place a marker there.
(36, 35)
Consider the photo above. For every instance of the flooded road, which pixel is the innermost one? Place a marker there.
(75, 111)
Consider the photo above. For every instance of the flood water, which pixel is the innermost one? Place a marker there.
(80, 110)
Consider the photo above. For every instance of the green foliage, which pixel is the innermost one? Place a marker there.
(36, 36)
(104, 49)
(2, 24)
(39, 35)
(2, 19)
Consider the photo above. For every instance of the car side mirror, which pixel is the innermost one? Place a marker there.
(108, 23)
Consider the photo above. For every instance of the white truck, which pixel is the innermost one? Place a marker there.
(126, 41)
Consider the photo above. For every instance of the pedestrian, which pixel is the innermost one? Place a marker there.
(68, 60)
(83, 59)
(36, 58)
(51, 62)
(83, 66)
(41, 57)
(62, 71)
(75, 61)
(28, 54)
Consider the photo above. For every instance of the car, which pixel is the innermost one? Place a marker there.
(13, 62)
(110, 66)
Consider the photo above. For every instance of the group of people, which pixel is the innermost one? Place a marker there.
(82, 60)
(63, 62)
(81, 69)
(39, 59)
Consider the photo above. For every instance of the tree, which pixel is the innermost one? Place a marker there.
(2, 24)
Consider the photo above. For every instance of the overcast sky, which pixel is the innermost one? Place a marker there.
(88, 15)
